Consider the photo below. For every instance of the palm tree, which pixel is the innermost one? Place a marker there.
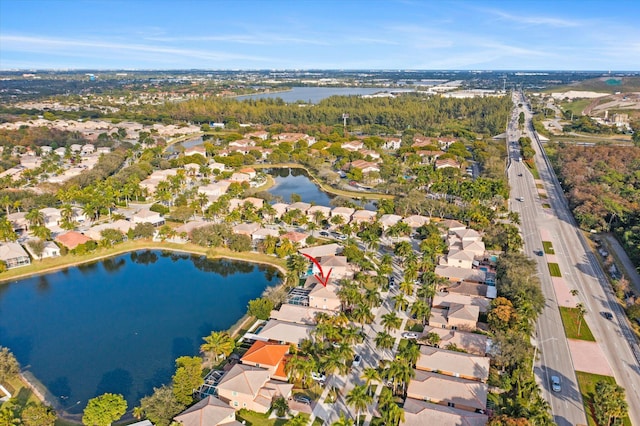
(384, 340)
(362, 315)
(6, 230)
(409, 353)
(299, 368)
(35, 218)
(41, 232)
(298, 420)
(280, 406)
(421, 310)
(218, 343)
(138, 412)
(359, 399)
(391, 321)
(372, 298)
(343, 421)
(370, 375)
(401, 304)
(392, 414)
(406, 286)
(581, 311)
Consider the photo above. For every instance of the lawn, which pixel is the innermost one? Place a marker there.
(570, 322)
(546, 205)
(554, 270)
(548, 247)
(587, 383)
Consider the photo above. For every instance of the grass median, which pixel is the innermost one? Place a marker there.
(587, 383)
(554, 270)
(570, 318)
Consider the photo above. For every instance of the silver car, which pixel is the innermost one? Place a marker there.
(555, 384)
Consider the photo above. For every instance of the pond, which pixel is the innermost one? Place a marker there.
(296, 181)
(118, 325)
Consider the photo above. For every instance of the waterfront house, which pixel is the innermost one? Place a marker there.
(246, 228)
(344, 212)
(147, 216)
(13, 255)
(208, 412)
(50, 249)
(251, 388)
(317, 210)
(285, 332)
(300, 205)
(298, 314)
(296, 237)
(321, 251)
(363, 216)
(270, 356)
(388, 220)
(72, 239)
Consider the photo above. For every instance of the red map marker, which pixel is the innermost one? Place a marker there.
(322, 279)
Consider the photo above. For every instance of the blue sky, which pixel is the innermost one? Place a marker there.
(321, 34)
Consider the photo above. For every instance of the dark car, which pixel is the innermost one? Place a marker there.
(608, 315)
(520, 174)
(324, 234)
(302, 398)
(539, 252)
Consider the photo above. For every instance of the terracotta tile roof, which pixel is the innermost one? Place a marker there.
(72, 239)
(265, 353)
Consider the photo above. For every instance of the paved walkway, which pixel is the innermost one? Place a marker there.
(588, 357)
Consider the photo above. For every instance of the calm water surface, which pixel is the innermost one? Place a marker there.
(118, 325)
(295, 180)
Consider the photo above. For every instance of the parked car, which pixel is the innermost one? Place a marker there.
(302, 398)
(409, 335)
(555, 384)
(318, 377)
(324, 234)
(356, 361)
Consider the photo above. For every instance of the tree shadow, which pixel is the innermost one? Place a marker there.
(116, 381)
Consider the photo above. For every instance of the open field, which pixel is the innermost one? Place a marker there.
(602, 84)
(570, 323)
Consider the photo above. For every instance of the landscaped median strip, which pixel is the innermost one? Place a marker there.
(554, 269)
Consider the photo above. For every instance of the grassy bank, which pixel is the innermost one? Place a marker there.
(570, 323)
(53, 264)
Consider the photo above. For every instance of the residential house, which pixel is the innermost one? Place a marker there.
(13, 255)
(72, 239)
(344, 212)
(241, 143)
(353, 146)
(325, 297)
(300, 205)
(52, 217)
(298, 314)
(249, 171)
(95, 232)
(420, 413)
(321, 251)
(447, 162)
(285, 332)
(456, 274)
(422, 141)
(363, 216)
(365, 166)
(280, 209)
(388, 220)
(50, 249)
(317, 210)
(209, 411)
(338, 266)
(451, 225)
(392, 143)
(429, 156)
(416, 221)
(18, 221)
(263, 233)
(270, 356)
(468, 288)
(443, 299)
(260, 134)
(193, 150)
(239, 178)
(453, 363)
(473, 343)
(257, 203)
(296, 237)
(251, 388)
(246, 228)
(453, 392)
(216, 166)
(88, 149)
(215, 189)
(456, 317)
(458, 259)
(371, 154)
(147, 216)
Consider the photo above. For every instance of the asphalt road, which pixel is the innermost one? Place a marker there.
(581, 271)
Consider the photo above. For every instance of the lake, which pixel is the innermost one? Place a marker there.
(296, 180)
(118, 325)
(314, 94)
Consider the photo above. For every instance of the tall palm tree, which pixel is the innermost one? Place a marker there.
(218, 343)
(401, 304)
(6, 230)
(343, 421)
(384, 340)
(391, 321)
(409, 353)
(392, 414)
(299, 369)
(298, 420)
(362, 315)
(359, 398)
(421, 310)
(372, 298)
(35, 218)
(370, 375)
(41, 232)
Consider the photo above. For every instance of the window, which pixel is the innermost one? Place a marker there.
(235, 403)
(244, 404)
(234, 393)
(451, 404)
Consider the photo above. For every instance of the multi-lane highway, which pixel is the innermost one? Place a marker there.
(580, 271)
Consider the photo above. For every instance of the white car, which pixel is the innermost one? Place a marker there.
(318, 377)
(356, 361)
(409, 335)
